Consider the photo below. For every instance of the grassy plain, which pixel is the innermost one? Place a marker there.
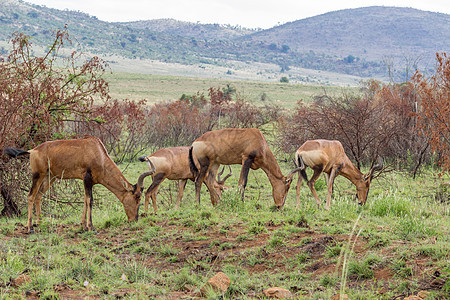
(157, 88)
(396, 245)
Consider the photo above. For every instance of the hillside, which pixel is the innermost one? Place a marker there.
(369, 33)
(353, 43)
(188, 29)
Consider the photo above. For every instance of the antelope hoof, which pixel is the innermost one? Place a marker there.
(87, 228)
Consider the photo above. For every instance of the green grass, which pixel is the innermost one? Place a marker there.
(257, 247)
(158, 88)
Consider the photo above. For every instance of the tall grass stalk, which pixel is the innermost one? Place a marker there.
(51, 219)
(345, 254)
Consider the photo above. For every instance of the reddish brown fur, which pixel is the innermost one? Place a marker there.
(329, 157)
(84, 159)
(173, 163)
(247, 147)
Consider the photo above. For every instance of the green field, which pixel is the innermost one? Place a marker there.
(397, 244)
(157, 88)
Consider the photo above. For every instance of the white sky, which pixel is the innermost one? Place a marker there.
(247, 13)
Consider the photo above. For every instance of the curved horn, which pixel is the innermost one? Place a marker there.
(222, 181)
(292, 172)
(143, 175)
(379, 166)
(140, 182)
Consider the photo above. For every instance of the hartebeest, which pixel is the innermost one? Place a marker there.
(173, 164)
(247, 147)
(84, 159)
(329, 157)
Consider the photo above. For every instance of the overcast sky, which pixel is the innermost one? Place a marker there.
(247, 13)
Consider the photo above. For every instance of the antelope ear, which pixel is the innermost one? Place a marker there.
(127, 186)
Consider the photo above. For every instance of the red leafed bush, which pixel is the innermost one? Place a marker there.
(378, 122)
(39, 96)
(178, 123)
(434, 108)
(121, 125)
(238, 113)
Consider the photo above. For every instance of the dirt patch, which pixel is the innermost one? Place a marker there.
(208, 250)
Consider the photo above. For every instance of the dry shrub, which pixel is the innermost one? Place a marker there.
(130, 128)
(237, 113)
(178, 123)
(434, 113)
(38, 96)
(379, 122)
(121, 126)
(409, 149)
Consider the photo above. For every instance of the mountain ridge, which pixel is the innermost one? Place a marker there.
(399, 21)
(357, 42)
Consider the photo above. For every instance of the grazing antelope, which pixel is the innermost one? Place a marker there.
(247, 147)
(84, 159)
(173, 164)
(329, 157)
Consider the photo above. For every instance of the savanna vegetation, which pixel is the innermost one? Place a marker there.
(394, 246)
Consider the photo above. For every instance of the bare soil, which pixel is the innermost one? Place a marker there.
(228, 247)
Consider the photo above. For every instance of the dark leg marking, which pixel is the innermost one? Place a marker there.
(156, 181)
(35, 177)
(246, 167)
(88, 184)
(336, 173)
(204, 165)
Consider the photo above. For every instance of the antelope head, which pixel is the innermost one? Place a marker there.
(280, 194)
(132, 197)
(362, 189)
(219, 185)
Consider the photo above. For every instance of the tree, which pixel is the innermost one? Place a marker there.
(350, 59)
(363, 125)
(285, 48)
(434, 109)
(284, 79)
(39, 95)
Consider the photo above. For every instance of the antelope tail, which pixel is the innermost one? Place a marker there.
(302, 167)
(150, 164)
(192, 166)
(14, 152)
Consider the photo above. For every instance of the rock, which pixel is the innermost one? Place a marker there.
(412, 297)
(276, 292)
(340, 297)
(21, 280)
(219, 284)
(423, 294)
(438, 282)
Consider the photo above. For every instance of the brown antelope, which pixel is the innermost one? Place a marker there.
(329, 157)
(173, 164)
(247, 147)
(84, 159)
